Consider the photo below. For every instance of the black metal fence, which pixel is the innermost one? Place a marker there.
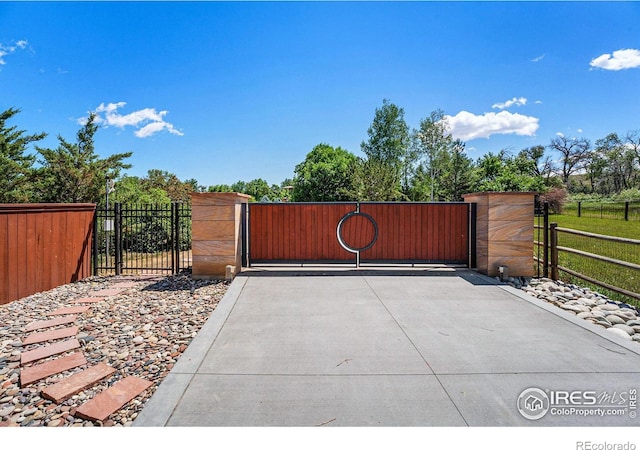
(142, 239)
(629, 210)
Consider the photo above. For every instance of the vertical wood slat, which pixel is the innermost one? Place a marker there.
(43, 246)
(419, 232)
(296, 232)
(406, 232)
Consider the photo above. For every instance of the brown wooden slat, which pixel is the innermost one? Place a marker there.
(4, 258)
(46, 246)
(406, 232)
(21, 260)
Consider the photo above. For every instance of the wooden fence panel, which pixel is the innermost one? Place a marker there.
(429, 232)
(296, 232)
(394, 232)
(43, 246)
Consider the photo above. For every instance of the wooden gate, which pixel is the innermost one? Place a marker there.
(362, 232)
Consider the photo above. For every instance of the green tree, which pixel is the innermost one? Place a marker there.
(632, 142)
(258, 188)
(501, 172)
(388, 143)
(219, 188)
(433, 142)
(574, 154)
(325, 175)
(16, 167)
(73, 173)
(194, 186)
(619, 169)
(133, 190)
(178, 191)
(375, 181)
(457, 173)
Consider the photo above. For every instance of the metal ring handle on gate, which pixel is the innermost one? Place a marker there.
(341, 240)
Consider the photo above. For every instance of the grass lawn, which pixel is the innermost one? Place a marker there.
(610, 227)
(132, 263)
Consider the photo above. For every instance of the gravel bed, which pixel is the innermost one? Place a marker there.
(141, 332)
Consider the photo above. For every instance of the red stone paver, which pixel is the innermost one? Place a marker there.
(125, 284)
(50, 323)
(107, 402)
(64, 389)
(37, 372)
(49, 350)
(69, 310)
(106, 292)
(88, 300)
(50, 335)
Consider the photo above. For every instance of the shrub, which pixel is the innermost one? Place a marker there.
(628, 195)
(556, 199)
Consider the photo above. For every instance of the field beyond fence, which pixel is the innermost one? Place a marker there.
(629, 210)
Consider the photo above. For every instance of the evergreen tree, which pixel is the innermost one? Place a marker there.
(16, 167)
(73, 172)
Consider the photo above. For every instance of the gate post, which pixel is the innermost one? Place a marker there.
(554, 251)
(504, 232)
(94, 242)
(217, 234)
(473, 236)
(118, 237)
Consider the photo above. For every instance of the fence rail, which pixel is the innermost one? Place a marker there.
(629, 210)
(610, 262)
(134, 239)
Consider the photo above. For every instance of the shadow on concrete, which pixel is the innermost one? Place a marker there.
(365, 270)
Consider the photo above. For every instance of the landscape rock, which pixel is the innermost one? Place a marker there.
(630, 331)
(620, 318)
(152, 322)
(623, 334)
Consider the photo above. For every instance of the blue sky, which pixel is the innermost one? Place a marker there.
(223, 92)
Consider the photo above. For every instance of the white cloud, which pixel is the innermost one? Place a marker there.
(6, 50)
(621, 59)
(147, 121)
(467, 126)
(155, 127)
(514, 101)
(538, 58)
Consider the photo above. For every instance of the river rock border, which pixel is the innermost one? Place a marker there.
(619, 318)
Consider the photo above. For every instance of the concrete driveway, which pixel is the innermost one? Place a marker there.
(431, 346)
